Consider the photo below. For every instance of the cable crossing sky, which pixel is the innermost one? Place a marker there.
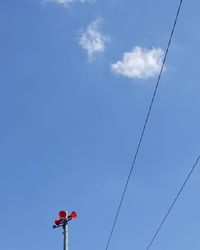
(145, 125)
(173, 203)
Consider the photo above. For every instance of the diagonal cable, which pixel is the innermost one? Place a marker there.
(145, 125)
(173, 203)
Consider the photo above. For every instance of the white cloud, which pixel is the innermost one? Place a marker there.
(140, 63)
(67, 2)
(92, 39)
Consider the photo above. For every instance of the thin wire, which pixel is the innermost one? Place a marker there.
(173, 203)
(144, 127)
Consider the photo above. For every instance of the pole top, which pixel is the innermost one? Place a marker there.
(64, 218)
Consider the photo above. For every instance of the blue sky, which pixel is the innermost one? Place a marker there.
(70, 123)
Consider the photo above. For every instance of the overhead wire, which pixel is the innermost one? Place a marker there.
(173, 203)
(145, 125)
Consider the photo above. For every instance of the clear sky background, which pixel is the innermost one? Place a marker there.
(70, 124)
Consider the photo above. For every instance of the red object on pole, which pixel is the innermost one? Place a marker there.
(73, 215)
(57, 222)
(63, 220)
(62, 214)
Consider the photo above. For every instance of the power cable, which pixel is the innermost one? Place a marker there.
(173, 203)
(145, 125)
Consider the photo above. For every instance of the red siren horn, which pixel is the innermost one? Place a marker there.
(73, 215)
(57, 222)
(62, 214)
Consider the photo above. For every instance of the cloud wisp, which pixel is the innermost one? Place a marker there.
(93, 40)
(140, 63)
(67, 2)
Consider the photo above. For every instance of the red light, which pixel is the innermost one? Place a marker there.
(57, 222)
(73, 215)
(62, 214)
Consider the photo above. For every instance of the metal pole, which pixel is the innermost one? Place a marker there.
(65, 227)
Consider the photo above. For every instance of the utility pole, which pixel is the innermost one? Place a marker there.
(65, 227)
(63, 220)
